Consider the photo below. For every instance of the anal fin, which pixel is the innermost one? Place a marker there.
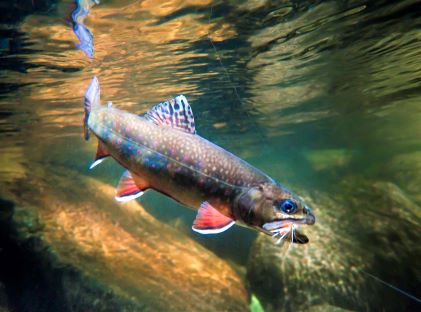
(128, 189)
(211, 221)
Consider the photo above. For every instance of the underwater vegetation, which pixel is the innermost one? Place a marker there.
(323, 96)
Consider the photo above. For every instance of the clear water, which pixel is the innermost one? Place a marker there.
(323, 96)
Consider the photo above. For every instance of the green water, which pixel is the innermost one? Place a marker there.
(324, 96)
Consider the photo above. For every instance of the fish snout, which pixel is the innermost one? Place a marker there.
(309, 218)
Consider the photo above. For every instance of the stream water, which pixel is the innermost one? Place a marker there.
(324, 96)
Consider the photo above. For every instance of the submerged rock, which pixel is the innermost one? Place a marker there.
(328, 159)
(73, 248)
(325, 308)
(372, 229)
(405, 169)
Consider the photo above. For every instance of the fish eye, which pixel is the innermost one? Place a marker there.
(287, 206)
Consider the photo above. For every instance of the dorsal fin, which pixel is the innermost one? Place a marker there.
(175, 113)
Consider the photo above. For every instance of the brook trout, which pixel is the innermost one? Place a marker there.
(162, 151)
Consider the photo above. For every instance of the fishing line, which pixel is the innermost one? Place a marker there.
(392, 287)
(228, 77)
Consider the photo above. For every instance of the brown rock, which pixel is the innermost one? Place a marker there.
(120, 251)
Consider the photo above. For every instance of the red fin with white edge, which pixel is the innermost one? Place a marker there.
(101, 153)
(211, 221)
(127, 188)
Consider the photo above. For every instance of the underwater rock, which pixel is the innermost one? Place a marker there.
(369, 228)
(328, 159)
(325, 308)
(406, 170)
(71, 247)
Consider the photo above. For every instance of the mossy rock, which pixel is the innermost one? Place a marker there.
(406, 171)
(369, 228)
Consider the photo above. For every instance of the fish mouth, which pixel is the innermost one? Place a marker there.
(308, 219)
(287, 228)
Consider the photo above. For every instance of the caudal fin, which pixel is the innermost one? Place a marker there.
(92, 101)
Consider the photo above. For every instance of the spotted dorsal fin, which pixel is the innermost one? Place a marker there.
(175, 113)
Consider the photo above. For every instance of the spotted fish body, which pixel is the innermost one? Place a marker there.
(162, 151)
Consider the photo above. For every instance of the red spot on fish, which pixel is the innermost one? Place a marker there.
(138, 152)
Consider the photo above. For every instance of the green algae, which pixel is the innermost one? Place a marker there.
(255, 305)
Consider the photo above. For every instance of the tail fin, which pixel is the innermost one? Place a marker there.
(92, 101)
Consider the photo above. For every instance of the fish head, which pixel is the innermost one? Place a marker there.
(272, 209)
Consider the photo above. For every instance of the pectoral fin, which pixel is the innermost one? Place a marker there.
(127, 188)
(211, 221)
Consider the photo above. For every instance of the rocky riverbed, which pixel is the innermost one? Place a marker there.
(66, 245)
(346, 252)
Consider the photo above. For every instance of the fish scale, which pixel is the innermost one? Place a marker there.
(157, 151)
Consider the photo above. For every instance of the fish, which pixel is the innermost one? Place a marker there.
(161, 150)
(82, 32)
